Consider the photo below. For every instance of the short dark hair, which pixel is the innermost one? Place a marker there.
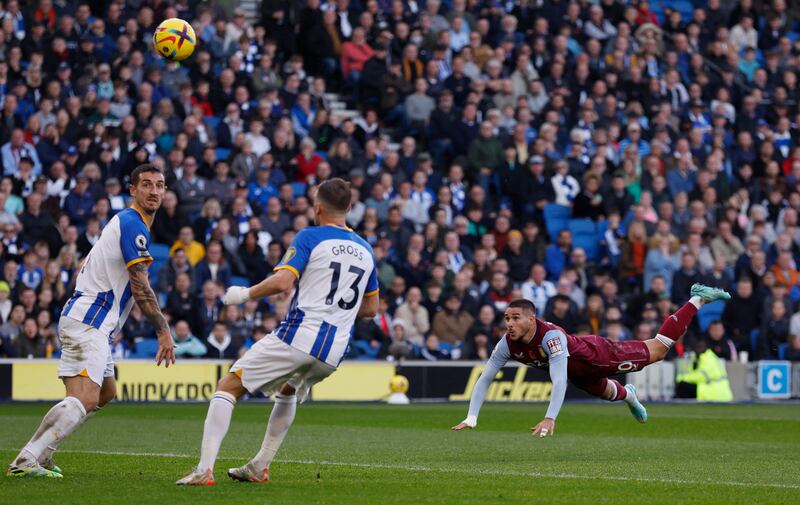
(143, 169)
(335, 194)
(525, 305)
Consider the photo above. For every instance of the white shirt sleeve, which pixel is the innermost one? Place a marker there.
(554, 344)
(497, 360)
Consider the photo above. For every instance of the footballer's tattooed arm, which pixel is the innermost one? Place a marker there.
(148, 304)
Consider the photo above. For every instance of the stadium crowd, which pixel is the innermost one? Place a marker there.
(596, 158)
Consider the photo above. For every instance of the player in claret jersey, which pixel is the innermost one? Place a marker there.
(586, 361)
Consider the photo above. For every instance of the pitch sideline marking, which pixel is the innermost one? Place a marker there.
(414, 468)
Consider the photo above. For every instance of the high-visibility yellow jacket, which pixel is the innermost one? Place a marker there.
(710, 376)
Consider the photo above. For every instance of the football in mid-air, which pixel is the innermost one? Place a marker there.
(174, 39)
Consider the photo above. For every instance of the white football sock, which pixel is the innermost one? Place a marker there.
(51, 448)
(59, 422)
(280, 420)
(218, 420)
(697, 302)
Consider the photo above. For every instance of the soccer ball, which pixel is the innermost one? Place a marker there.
(398, 384)
(174, 39)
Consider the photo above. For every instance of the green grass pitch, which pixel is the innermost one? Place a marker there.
(377, 454)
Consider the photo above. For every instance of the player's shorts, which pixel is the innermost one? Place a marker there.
(594, 356)
(84, 351)
(271, 363)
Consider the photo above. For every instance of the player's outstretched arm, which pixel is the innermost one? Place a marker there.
(148, 304)
(282, 280)
(554, 344)
(497, 360)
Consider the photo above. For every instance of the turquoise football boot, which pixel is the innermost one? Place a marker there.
(709, 294)
(637, 409)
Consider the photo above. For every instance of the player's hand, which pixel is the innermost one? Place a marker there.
(545, 428)
(166, 350)
(236, 295)
(470, 422)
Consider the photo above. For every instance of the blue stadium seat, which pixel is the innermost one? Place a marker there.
(160, 253)
(685, 7)
(710, 313)
(212, 122)
(584, 235)
(364, 350)
(782, 348)
(240, 281)
(223, 153)
(556, 218)
(754, 338)
(145, 348)
(299, 188)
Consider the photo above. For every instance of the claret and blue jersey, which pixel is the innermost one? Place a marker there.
(102, 297)
(335, 269)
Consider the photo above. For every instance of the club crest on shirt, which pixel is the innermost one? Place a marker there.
(554, 346)
(534, 355)
(290, 253)
(141, 242)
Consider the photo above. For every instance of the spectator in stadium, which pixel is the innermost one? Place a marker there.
(5, 302)
(718, 342)
(538, 289)
(482, 335)
(186, 344)
(212, 268)
(7, 349)
(30, 343)
(195, 251)
(207, 308)
(452, 323)
(774, 331)
(433, 350)
(12, 328)
(557, 255)
(559, 312)
(415, 317)
(793, 353)
(219, 343)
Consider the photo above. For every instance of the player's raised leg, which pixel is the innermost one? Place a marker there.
(280, 420)
(218, 419)
(675, 326)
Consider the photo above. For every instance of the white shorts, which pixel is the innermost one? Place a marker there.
(84, 351)
(271, 363)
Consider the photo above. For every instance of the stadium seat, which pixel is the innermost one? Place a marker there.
(160, 254)
(223, 153)
(556, 218)
(685, 7)
(299, 188)
(212, 122)
(145, 348)
(754, 338)
(710, 313)
(364, 350)
(240, 281)
(584, 235)
(782, 348)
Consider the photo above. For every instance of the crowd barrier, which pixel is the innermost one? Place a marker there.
(195, 380)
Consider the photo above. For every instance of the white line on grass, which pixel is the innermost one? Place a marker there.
(415, 468)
